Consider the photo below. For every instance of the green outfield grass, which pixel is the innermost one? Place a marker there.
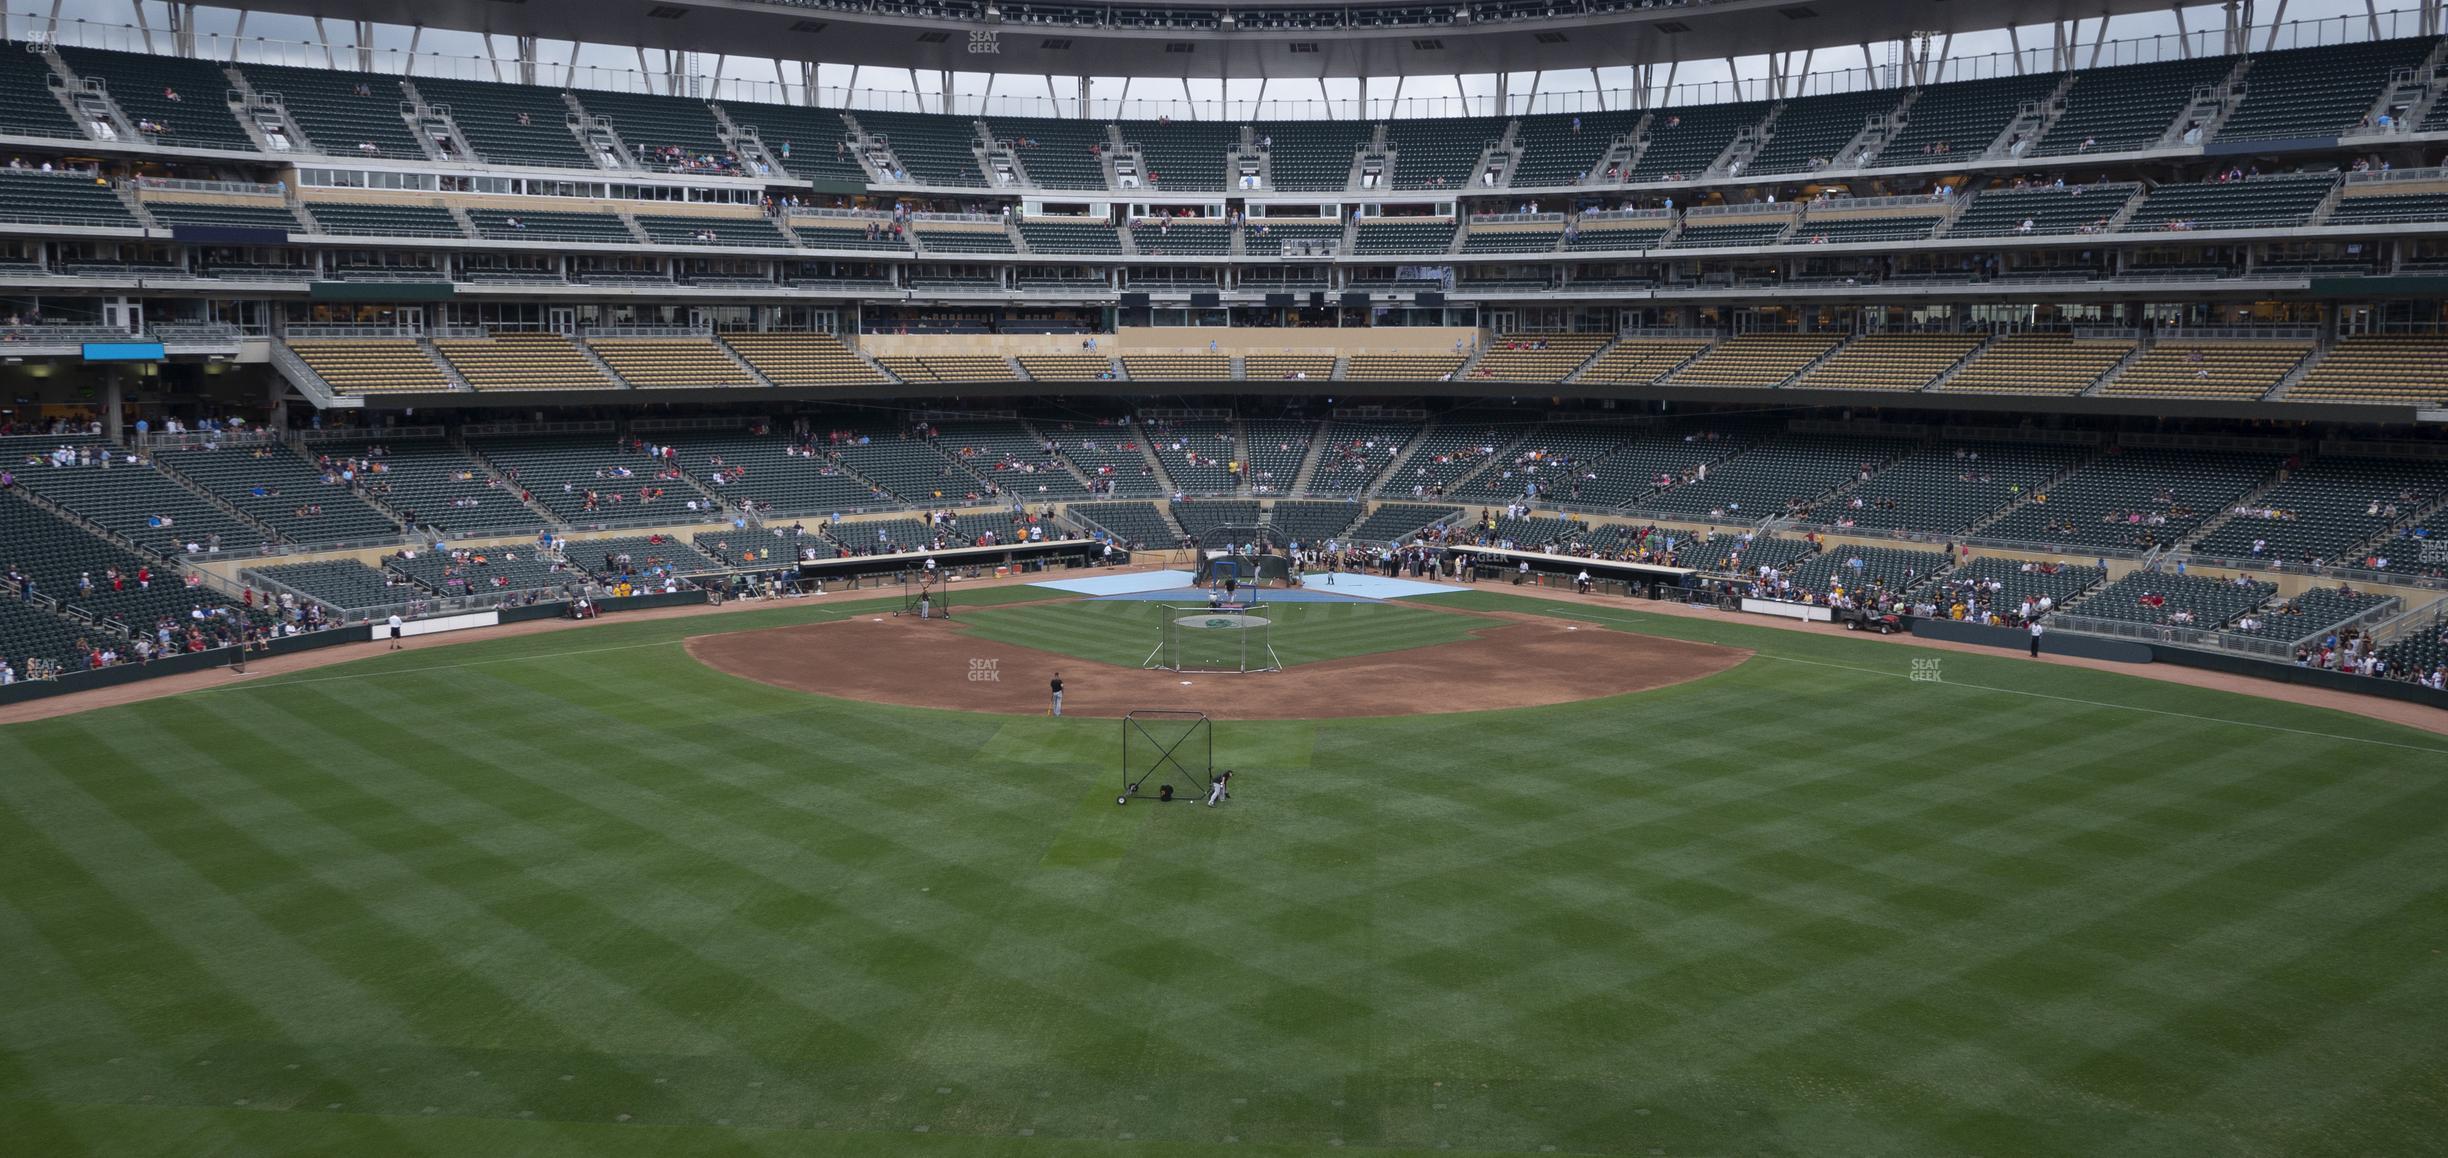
(572, 894)
(1123, 631)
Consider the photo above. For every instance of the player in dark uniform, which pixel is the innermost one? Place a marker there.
(1057, 686)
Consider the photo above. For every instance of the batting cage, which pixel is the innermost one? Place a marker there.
(1167, 754)
(1246, 558)
(1216, 639)
(925, 594)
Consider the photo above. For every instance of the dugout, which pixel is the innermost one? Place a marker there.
(1649, 580)
(1046, 556)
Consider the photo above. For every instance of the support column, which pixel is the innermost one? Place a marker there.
(182, 28)
(112, 426)
(276, 408)
(363, 31)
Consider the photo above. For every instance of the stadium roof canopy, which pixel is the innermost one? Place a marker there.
(1272, 39)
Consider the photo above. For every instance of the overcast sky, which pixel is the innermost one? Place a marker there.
(111, 23)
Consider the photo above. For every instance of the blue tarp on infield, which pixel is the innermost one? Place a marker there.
(1121, 584)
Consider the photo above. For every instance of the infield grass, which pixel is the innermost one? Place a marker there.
(1123, 631)
(574, 894)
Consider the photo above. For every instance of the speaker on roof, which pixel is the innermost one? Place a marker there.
(1205, 299)
(1355, 297)
(1280, 301)
(1431, 300)
(1134, 301)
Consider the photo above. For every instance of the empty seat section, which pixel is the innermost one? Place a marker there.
(1397, 522)
(372, 365)
(1182, 238)
(2038, 364)
(1945, 488)
(353, 217)
(56, 554)
(509, 124)
(1055, 153)
(188, 98)
(1640, 361)
(1710, 232)
(1555, 152)
(590, 481)
(2324, 509)
(679, 229)
(1310, 156)
(850, 237)
(1400, 367)
(1511, 239)
(1355, 453)
(1070, 237)
(345, 584)
(547, 225)
(1179, 367)
(2408, 369)
(1890, 362)
(144, 505)
(1787, 472)
(2114, 110)
(1544, 358)
(804, 359)
(1263, 238)
(1885, 227)
(1066, 367)
(1682, 142)
(1440, 153)
(670, 363)
(2252, 203)
(935, 150)
(2134, 499)
(949, 368)
(60, 199)
(1755, 360)
(522, 362)
(939, 238)
(2389, 209)
(1964, 117)
(811, 144)
(1380, 235)
(2317, 92)
(1186, 156)
(2002, 212)
(1012, 458)
(1135, 524)
(433, 484)
(330, 109)
(2191, 601)
(2208, 369)
(1278, 367)
(661, 132)
(225, 214)
(1811, 133)
(275, 487)
(1643, 233)
(27, 108)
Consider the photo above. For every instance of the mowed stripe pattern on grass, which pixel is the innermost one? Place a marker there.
(546, 891)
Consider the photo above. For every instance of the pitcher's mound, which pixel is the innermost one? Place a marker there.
(1510, 664)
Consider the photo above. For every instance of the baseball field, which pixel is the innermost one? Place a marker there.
(634, 890)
